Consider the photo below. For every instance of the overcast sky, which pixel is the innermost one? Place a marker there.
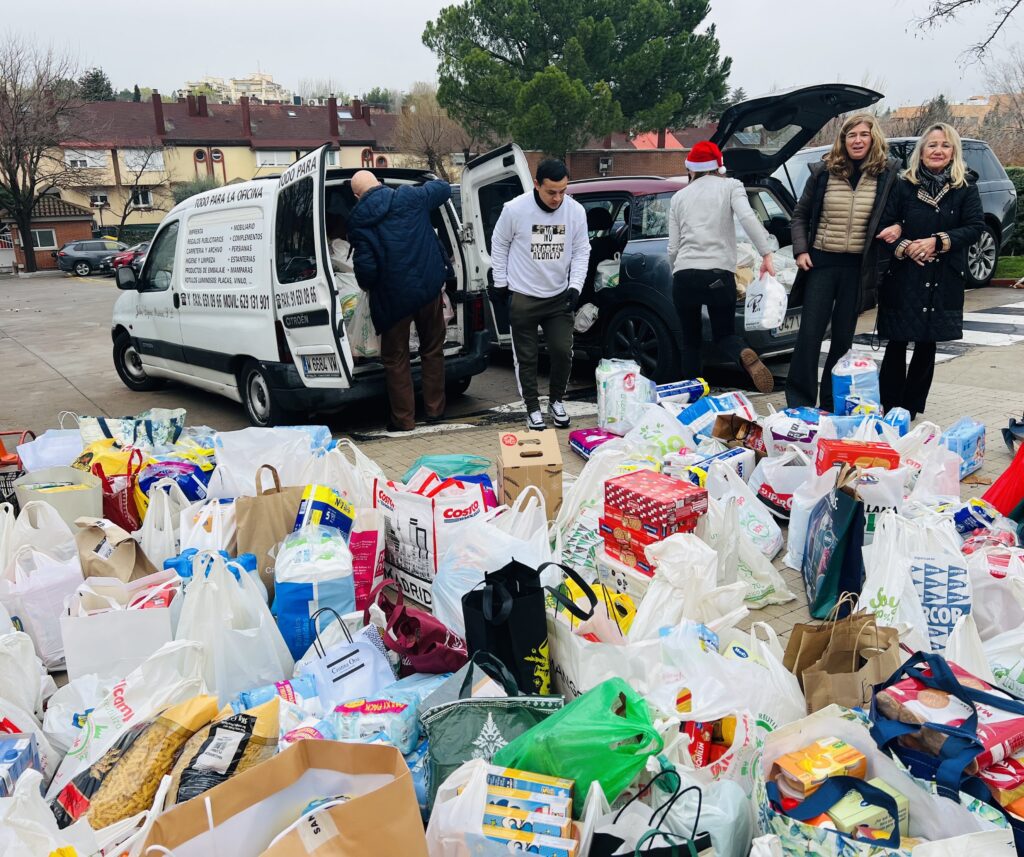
(773, 43)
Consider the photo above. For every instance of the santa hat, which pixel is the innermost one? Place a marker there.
(704, 157)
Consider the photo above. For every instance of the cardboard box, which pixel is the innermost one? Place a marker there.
(18, 753)
(654, 498)
(616, 518)
(527, 781)
(535, 822)
(632, 557)
(736, 431)
(856, 452)
(853, 811)
(530, 458)
(559, 807)
(535, 843)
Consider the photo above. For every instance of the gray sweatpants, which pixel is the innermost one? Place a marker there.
(525, 315)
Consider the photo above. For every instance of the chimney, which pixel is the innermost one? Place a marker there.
(607, 142)
(201, 106)
(356, 108)
(158, 114)
(243, 102)
(661, 138)
(366, 114)
(191, 101)
(332, 116)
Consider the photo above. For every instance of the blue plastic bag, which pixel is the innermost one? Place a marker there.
(447, 466)
(855, 375)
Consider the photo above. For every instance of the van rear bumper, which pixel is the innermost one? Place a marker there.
(288, 389)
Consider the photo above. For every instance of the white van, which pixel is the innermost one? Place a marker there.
(237, 294)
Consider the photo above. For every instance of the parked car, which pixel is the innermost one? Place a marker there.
(236, 296)
(637, 319)
(84, 257)
(129, 256)
(998, 196)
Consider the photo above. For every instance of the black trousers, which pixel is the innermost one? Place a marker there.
(831, 295)
(692, 289)
(902, 386)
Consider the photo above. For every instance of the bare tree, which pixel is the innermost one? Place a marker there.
(945, 11)
(321, 87)
(914, 121)
(1004, 124)
(36, 109)
(143, 172)
(426, 133)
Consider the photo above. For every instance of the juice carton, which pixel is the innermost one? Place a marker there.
(531, 822)
(803, 771)
(853, 811)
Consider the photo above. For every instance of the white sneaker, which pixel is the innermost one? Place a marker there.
(558, 415)
(535, 421)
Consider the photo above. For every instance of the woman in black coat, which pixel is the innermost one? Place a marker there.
(935, 213)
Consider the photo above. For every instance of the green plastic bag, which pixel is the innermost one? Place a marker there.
(604, 735)
(447, 466)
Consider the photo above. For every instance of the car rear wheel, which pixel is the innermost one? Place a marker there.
(83, 269)
(636, 333)
(129, 367)
(982, 256)
(260, 403)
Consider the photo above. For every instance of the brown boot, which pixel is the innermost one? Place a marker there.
(759, 373)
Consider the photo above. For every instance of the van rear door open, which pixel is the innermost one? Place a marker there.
(305, 297)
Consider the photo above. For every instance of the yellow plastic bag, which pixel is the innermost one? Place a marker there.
(113, 458)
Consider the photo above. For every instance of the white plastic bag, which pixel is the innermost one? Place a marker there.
(915, 447)
(160, 534)
(880, 490)
(40, 526)
(53, 448)
(939, 479)
(776, 480)
(620, 390)
(455, 828)
(684, 587)
(23, 680)
(724, 814)
(33, 593)
(805, 498)
(172, 675)
(657, 432)
(241, 453)
(28, 827)
(244, 648)
(69, 707)
(766, 304)
(354, 478)
(7, 519)
(1004, 656)
(782, 432)
(209, 525)
(17, 719)
(362, 336)
(753, 518)
(997, 582)
(965, 649)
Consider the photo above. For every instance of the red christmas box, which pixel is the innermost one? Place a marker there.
(656, 499)
(628, 556)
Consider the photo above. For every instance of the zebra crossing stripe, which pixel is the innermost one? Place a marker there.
(974, 336)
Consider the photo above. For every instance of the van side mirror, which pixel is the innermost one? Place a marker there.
(126, 278)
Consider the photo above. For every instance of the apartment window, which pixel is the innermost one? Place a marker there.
(142, 198)
(332, 158)
(279, 158)
(98, 200)
(87, 159)
(140, 160)
(44, 239)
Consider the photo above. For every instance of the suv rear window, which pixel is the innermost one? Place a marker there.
(983, 161)
(649, 217)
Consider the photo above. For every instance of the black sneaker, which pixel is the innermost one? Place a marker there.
(535, 421)
(558, 415)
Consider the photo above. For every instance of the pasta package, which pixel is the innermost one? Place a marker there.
(229, 745)
(124, 781)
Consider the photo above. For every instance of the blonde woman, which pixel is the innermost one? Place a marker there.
(935, 214)
(833, 228)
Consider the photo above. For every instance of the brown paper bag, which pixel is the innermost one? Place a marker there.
(105, 550)
(252, 808)
(855, 661)
(264, 520)
(807, 643)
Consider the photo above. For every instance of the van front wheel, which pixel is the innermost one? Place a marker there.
(129, 366)
(258, 397)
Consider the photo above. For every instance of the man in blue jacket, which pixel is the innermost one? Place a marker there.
(401, 265)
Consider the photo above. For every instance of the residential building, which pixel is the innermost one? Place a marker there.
(256, 87)
(55, 222)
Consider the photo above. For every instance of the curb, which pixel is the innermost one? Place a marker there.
(1005, 282)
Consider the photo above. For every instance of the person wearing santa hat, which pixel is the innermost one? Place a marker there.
(702, 252)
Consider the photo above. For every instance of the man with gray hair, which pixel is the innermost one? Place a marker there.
(401, 265)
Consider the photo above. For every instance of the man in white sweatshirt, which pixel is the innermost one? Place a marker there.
(539, 253)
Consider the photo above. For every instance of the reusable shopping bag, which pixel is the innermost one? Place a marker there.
(506, 618)
(71, 492)
(423, 642)
(119, 505)
(447, 465)
(155, 427)
(229, 617)
(766, 304)
(263, 520)
(460, 726)
(379, 816)
(832, 556)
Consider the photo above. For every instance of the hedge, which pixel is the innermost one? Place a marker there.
(1016, 246)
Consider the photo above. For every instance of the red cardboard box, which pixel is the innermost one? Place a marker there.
(634, 558)
(615, 518)
(656, 499)
(856, 452)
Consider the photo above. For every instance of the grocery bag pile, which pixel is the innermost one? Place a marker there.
(272, 648)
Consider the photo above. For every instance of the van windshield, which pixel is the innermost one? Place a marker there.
(294, 237)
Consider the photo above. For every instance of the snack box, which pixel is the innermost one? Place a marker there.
(1005, 779)
(700, 735)
(632, 557)
(530, 822)
(654, 498)
(856, 452)
(527, 781)
(325, 507)
(584, 441)
(620, 577)
(524, 801)
(853, 811)
(534, 843)
(803, 771)
(18, 753)
(615, 518)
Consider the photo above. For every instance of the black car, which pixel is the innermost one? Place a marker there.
(628, 219)
(998, 196)
(84, 257)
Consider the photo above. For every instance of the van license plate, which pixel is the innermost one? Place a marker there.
(320, 365)
(790, 325)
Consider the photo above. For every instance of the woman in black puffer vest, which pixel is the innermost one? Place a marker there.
(935, 214)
